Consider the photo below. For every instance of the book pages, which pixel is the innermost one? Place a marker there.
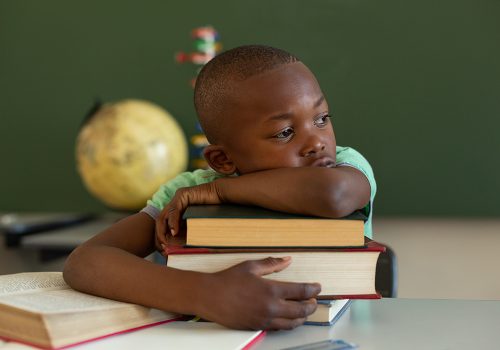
(39, 308)
(46, 292)
(60, 301)
(29, 282)
(15, 346)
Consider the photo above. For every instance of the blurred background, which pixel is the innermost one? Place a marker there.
(413, 85)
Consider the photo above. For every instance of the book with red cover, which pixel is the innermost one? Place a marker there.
(40, 309)
(344, 273)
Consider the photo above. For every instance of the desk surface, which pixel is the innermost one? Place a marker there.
(386, 324)
(404, 324)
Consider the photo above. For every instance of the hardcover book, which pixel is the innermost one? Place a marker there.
(39, 309)
(328, 312)
(231, 225)
(344, 273)
(180, 335)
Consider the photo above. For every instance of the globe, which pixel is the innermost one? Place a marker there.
(126, 150)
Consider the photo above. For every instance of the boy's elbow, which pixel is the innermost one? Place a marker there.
(340, 200)
(334, 208)
(74, 268)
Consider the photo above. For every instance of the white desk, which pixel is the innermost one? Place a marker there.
(381, 324)
(387, 324)
(405, 324)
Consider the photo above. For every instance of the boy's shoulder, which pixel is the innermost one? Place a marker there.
(196, 177)
(186, 179)
(348, 156)
(344, 154)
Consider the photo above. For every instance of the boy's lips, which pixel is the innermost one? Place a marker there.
(326, 162)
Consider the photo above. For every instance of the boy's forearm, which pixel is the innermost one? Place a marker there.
(237, 297)
(111, 265)
(328, 192)
(113, 273)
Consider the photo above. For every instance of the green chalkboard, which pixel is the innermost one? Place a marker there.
(413, 85)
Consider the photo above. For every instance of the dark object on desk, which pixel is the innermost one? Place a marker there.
(386, 281)
(57, 243)
(330, 344)
(16, 226)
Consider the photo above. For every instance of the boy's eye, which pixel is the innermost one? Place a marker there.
(322, 121)
(285, 134)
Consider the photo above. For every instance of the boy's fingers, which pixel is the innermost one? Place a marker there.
(292, 309)
(284, 323)
(160, 247)
(160, 226)
(157, 232)
(268, 265)
(173, 221)
(290, 314)
(297, 291)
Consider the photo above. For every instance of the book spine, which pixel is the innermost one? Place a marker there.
(352, 296)
(311, 323)
(181, 250)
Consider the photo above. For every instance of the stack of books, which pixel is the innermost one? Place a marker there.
(332, 252)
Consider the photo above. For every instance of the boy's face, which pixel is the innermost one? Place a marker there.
(279, 119)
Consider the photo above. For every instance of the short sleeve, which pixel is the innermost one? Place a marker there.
(166, 191)
(347, 156)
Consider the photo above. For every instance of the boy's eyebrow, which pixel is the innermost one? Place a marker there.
(289, 115)
(319, 101)
(279, 117)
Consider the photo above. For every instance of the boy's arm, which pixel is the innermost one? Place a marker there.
(326, 192)
(111, 265)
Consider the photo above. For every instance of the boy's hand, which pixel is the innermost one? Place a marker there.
(240, 298)
(170, 217)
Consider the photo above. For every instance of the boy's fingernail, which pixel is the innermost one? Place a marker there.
(162, 246)
(172, 232)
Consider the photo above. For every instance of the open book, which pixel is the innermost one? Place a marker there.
(38, 308)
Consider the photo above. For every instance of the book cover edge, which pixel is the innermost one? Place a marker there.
(334, 319)
(179, 249)
(128, 330)
(237, 211)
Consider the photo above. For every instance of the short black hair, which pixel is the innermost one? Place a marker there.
(215, 80)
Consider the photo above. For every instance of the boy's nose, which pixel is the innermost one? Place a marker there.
(313, 145)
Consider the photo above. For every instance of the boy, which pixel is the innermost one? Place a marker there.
(272, 145)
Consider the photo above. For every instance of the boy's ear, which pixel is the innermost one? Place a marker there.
(218, 160)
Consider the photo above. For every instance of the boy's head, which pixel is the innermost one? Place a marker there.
(261, 108)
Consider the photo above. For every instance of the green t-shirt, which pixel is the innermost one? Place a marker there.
(346, 156)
